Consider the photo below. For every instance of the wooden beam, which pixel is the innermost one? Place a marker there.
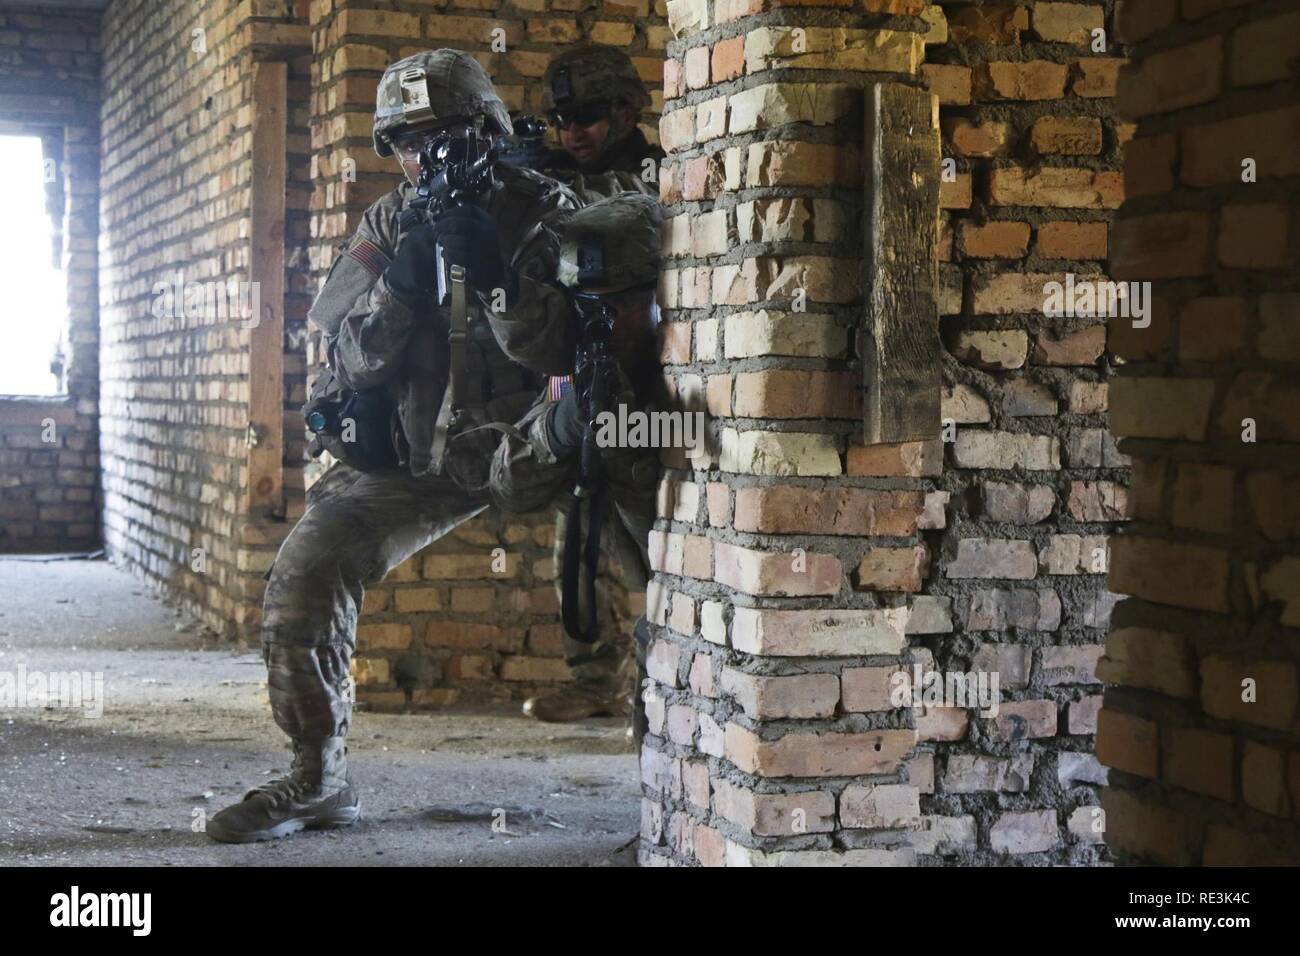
(899, 341)
(265, 490)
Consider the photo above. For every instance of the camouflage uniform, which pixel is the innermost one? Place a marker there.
(360, 525)
(528, 473)
(597, 73)
(589, 74)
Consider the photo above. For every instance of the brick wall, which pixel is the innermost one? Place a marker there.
(1032, 480)
(49, 69)
(175, 207)
(1201, 729)
(445, 626)
(774, 739)
(768, 742)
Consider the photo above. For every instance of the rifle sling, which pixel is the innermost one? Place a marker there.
(453, 398)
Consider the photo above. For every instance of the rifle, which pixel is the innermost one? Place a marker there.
(593, 366)
(527, 147)
(454, 169)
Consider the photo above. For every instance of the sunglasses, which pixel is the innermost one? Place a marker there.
(586, 114)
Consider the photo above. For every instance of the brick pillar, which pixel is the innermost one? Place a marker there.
(1201, 729)
(771, 740)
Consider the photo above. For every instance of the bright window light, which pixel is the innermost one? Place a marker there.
(33, 311)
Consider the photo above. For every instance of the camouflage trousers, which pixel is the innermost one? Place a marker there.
(358, 526)
(620, 589)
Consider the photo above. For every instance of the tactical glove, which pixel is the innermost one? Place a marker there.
(469, 238)
(564, 426)
(565, 423)
(411, 274)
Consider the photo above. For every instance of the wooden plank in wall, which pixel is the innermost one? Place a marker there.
(899, 339)
(266, 269)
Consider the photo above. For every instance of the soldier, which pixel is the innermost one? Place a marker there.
(418, 477)
(595, 100)
(538, 464)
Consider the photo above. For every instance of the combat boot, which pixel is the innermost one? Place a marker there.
(316, 794)
(579, 701)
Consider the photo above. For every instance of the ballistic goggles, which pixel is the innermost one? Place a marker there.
(584, 114)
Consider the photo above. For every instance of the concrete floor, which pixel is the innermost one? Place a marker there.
(186, 729)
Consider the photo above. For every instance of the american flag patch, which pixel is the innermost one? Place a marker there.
(559, 386)
(370, 256)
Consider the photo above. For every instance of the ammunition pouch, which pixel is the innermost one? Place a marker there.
(358, 427)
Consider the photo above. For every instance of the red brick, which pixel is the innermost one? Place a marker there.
(1073, 135)
(1030, 80)
(1173, 79)
(952, 84)
(1024, 719)
(995, 240)
(1201, 761)
(1077, 348)
(904, 460)
(1057, 186)
(1139, 19)
(1212, 153)
(893, 569)
(1180, 575)
(1195, 9)
(728, 59)
(986, 139)
(998, 25)
(1128, 743)
(818, 755)
(1252, 237)
(774, 573)
(1161, 246)
(1149, 165)
(785, 393)
(800, 696)
(696, 71)
(1072, 240)
(789, 509)
(1096, 77)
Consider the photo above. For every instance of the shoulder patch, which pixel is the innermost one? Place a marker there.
(370, 256)
(559, 386)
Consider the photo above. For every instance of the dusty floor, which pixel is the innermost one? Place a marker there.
(186, 729)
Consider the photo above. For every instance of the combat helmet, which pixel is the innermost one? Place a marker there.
(590, 73)
(611, 245)
(435, 85)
